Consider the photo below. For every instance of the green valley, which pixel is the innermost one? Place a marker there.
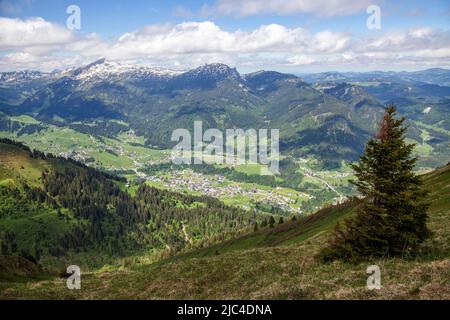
(271, 263)
(127, 155)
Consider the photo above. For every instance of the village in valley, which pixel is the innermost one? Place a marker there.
(232, 192)
(128, 156)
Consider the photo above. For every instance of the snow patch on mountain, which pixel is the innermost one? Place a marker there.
(427, 110)
(20, 76)
(103, 69)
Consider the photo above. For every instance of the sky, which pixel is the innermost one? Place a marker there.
(297, 36)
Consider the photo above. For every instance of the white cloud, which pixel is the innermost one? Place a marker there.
(206, 37)
(298, 60)
(39, 44)
(24, 60)
(32, 32)
(414, 39)
(286, 7)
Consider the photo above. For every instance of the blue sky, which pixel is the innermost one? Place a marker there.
(315, 35)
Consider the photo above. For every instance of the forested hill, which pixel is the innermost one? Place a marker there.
(53, 209)
(269, 263)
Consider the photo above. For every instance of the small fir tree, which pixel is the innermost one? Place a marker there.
(391, 219)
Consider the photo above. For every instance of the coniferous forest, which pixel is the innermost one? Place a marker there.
(99, 214)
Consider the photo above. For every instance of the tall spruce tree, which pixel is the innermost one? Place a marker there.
(391, 218)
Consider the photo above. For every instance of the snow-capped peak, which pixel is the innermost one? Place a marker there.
(103, 69)
(20, 76)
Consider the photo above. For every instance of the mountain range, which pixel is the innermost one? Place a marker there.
(329, 115)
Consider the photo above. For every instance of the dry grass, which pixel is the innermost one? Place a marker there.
(264, 273)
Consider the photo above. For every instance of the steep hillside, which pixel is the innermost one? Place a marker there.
(423, 97)
(275, 263)
(53, 210)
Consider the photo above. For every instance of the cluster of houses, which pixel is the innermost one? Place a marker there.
(217, 186)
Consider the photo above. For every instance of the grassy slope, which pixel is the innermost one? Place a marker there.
(36, 222)
(15, 163)
(274, 264)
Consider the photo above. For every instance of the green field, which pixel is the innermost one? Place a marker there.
(127, 154)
